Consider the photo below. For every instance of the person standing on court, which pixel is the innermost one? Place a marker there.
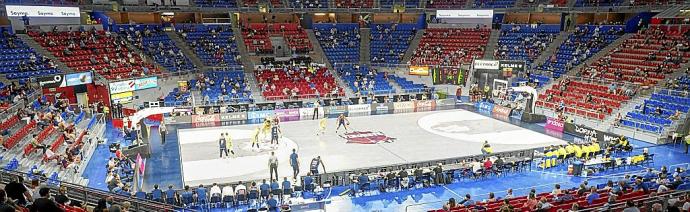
(316, 110)
(228, 145)
(163, 131)
(222, 145)
(294, 162)
(273, 165)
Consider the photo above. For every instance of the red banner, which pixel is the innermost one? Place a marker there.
(210, 120)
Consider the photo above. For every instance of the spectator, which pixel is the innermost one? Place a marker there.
(171, 196)
(101, 206)
(630, 207)
(450, 204)
(467, 201)
(44, 203)
(17, 191)
(593, 195)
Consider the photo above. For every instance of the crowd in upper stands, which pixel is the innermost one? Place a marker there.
(285, 80)
(390, 41)
(524, 42)
(19, 61)
(214, 44)
(156, 44)
(340, 42)
(94, 50)
(451, 46)
(585, 41)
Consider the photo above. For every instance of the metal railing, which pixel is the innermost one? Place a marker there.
(89, 196)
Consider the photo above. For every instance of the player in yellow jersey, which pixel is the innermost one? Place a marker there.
(255, 138)
(322, 126)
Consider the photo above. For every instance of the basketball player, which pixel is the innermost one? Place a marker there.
(314, 165)
(266, 128)
(222, 145)
(486, 148)
(322, 126)
(255, 139)
(228, 144)
(342, 121)
(275, 133)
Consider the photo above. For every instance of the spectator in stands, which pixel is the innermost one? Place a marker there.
(17, 191)
(593, 195)
(531, 202)
(202, 198)
(171, 196)
(630, 207)
(467, 201)
(450, 204)
(101, 206)
(44, 203)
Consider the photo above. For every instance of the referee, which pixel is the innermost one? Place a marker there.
(273, 165)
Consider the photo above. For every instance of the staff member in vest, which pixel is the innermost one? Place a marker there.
(163, 131)
(486, 148)
(294, 162)
(221, 145)
(273, 165)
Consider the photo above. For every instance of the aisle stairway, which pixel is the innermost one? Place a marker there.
(552, 48)
(414, 44)
(364, 52)
(188, 51)
(491, 45)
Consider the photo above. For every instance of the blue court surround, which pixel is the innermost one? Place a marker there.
(163, 168)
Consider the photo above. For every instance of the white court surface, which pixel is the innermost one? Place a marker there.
(413, 137)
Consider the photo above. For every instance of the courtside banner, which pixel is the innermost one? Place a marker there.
(424, 105)
(554, 124)
(445, 102)
(288, 114)
(484, 106)
(239, 116)
(381, 108)
(308, 113)
(516, 114)
(501, 111)
(330, 110)
(584, 131)
(178, 119)
(208, 120)
(262, 114)
(403, 107)
(361, 108)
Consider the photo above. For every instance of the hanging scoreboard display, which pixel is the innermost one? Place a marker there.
(448, 75)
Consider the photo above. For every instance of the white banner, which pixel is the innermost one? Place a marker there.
(133, 85)
(465, 14)
(403, 105)
(361, 108)
(307, 113)
(149, 111)
(42, 11)
(486, 64)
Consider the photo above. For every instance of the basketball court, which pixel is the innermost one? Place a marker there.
(371, 141)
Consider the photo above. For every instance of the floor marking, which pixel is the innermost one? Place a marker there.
(453, 192)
